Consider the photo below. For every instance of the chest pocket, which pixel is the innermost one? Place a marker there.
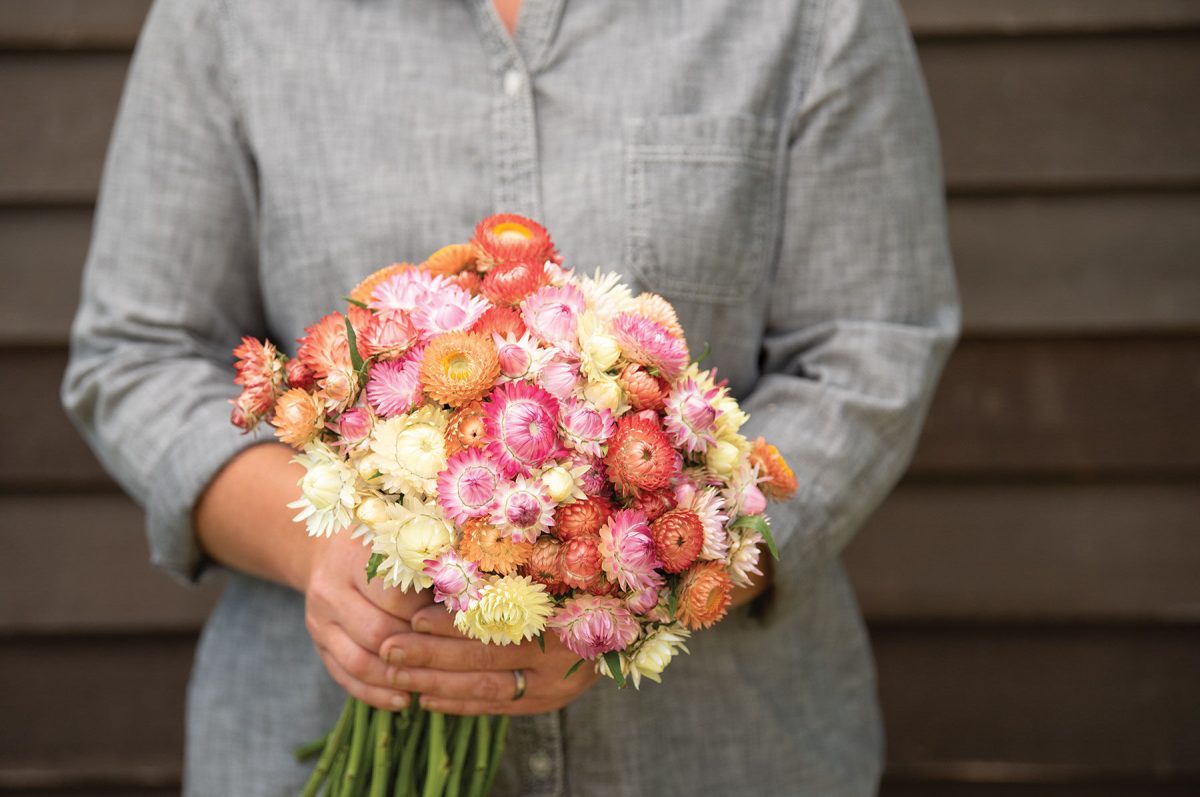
(701, 196)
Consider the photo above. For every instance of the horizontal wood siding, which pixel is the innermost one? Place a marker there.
(1031, 586)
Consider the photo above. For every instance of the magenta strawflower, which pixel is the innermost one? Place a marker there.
(467, 486)
(627, 550)
(353, 426)
(394, 386)
(523, 509)
(552, 314)
(650, 344)
(590, 626)
(456, 581)
(691, 416)
(521, 422)
(585, 428)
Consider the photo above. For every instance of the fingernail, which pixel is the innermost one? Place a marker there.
(395, 676)
(399, 702)
(393, 656)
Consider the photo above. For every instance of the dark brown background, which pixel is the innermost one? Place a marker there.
(1033, 586)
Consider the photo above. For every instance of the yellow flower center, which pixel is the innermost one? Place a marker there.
(510, 230)
(457, 366)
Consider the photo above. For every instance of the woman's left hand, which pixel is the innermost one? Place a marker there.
(458, 675)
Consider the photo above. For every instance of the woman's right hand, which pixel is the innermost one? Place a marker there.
(349, 618)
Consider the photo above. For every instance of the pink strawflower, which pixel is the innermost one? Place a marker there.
(594, 481)
(627, 550)
(753, 501)
(394, 386)
(407, 290)
(299, 375)
(642, 601)
(552, 314)
(456, 581)
(260, 372)
(521, 421)
(450, 309)
(560, 377)
(590, 626)
(691, 416)
(523, 509)
(467, 486)
(388, 334)
(354, 425)
(650, 344)
(585, 428)
(520, 358)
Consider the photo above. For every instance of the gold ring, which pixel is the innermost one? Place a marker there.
(519, 692)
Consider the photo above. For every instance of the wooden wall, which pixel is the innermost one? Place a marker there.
(1033, 586)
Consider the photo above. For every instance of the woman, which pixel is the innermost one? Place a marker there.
(771, 168)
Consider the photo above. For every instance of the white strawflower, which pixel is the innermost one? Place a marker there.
(562, 485)
(606, 294)
(411, 532)
(328, 493)
(509, 609)
(743, 555)
(410, 451)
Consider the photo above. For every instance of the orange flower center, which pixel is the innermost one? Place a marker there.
(511, 231)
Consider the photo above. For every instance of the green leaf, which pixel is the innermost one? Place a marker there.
(704, 354)
(355, 358)
(613, 660)
(541, 638)
(672, 603)
(574, 667)
(373, 565)
(374, 475)
(759, 524)
(357, 303)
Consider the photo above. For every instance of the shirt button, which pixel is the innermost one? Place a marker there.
(540, 764)
(513, 82)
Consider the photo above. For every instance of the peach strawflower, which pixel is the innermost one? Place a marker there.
(387, 335)
(450, 260)
(459, 367)
(582, 564)
(260, 371)
(639, 455)
(644, 390)
(778, 481)
(469, 281)
(705, 593)
(654, 503)
(545, 565)
(492, 548)
(507, 238)
(581, 518)
(465, 428)
(325, 346)
(299, 375)
(659, 310)
(678, 538)
(299, 417)
(502, 321)
(510, 283)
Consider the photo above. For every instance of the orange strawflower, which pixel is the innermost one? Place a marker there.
(450, 259)
(779, 482)
(705, 593)
(492, 548)
(465, 428)
(459, 367)
(299, 417)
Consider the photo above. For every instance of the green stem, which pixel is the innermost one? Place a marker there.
(483, 749)
(439, 764)
(406, 778)
(499, 739)
(383, 753)
(462, 741)
(334, 743)
(358, 744)
(310, 749)
(337, 776)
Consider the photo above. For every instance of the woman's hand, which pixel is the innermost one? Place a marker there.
(349, 619)
(457, 675)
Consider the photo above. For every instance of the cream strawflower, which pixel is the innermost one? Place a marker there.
(410, 450)
(598, 349)
(328, 491)
(509, 609)
(653, 652)
(606, 294)
(414, 531)
(606, 394)
(723, 458)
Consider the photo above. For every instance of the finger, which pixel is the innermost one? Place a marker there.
(359, 663)
(366, 623)
(377, 696)
(394, 600)
(493, 686)
(435, 620)
(426, 651)
(476, 708)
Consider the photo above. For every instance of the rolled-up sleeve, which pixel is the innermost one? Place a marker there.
(170, 281)
(863, 308)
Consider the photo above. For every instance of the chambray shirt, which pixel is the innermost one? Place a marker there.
(770, 167)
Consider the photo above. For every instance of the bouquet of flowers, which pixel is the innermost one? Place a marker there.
(533, 446)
